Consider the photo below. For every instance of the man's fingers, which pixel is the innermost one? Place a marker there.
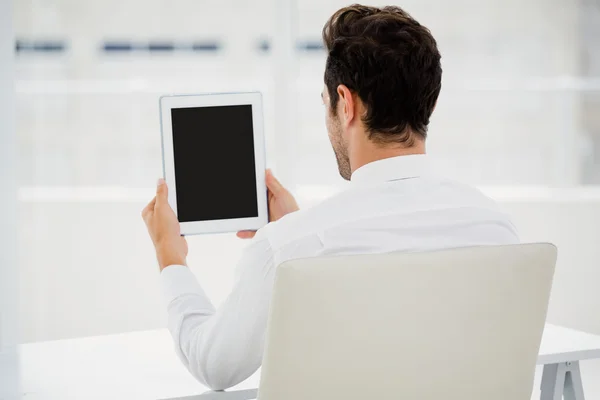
(162, 192)
(147, 211)
(273, 184)
(246, 234)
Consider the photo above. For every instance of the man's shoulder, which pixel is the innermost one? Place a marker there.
(472, 197)
(465, 193)
(432, 194)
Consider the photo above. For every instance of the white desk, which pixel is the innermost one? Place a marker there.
(143, 365)
(136, 365)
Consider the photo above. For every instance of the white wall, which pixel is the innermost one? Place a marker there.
(8, 207)
(101, 276)
(504, 63)
(575, 227)
(88, 137)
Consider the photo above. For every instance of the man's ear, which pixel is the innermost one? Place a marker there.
(347, 104)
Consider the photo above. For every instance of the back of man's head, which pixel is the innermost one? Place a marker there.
(391, 62)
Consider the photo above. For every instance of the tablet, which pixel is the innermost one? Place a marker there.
(214, 161)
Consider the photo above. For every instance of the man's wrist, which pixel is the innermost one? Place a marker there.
(166, 258)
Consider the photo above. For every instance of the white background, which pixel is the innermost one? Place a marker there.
(517, 116)
(8, 207)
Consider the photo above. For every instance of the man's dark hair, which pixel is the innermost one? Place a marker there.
(391, 62)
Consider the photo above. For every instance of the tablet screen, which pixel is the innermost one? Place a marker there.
(215, 170)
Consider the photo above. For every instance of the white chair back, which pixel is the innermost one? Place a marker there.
(462, 324)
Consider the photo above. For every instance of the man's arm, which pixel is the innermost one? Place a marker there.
(219, 347)
(223, 347)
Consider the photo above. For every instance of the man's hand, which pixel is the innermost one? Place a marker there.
(281, 202)
(163, 227)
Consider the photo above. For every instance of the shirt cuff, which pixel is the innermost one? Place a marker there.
(178, 280)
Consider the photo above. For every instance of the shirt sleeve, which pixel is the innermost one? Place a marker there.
(223, 347)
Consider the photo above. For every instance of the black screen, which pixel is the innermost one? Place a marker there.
(214, 163)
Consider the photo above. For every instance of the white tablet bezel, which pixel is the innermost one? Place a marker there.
(210, 100)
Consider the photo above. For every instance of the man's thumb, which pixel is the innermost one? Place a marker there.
(162, 191)
(273, 184)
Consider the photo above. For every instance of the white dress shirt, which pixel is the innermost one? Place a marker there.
(394, 204)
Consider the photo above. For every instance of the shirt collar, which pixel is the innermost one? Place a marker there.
(391, 169)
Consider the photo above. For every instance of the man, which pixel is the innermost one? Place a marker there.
(382, 81)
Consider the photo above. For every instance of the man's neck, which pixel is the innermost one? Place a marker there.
(366, 154)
